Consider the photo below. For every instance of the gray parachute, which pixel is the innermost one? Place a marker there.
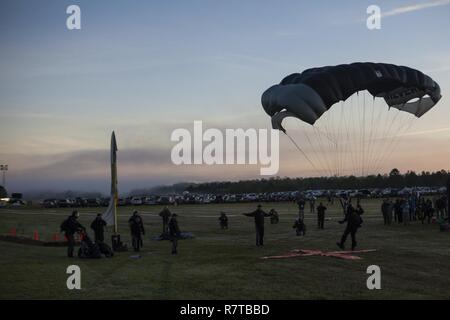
(309, 94)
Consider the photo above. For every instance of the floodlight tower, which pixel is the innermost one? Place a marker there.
(3, 169)
(448, 196)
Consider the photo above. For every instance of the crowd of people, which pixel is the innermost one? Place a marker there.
(414, 208)
(71, 226)
(400, 210)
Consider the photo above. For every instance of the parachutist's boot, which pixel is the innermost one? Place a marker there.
(340, 245)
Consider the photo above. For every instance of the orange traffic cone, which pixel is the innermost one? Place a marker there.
(13, 232)
(36, 235)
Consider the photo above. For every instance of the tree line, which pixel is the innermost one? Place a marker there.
(395, 179)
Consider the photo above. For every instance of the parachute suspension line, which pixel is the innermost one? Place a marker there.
(317, 158)
(317, 133)
(382, 134)
(323, 149)
(353, 149)
(304, 154)
(335, 141)
(339, 133)
(348, 155)
(364, 135)
(369, 147)
(360, 136)
(404, 127)
(394, 147)
(387, 137)
(346, 137)
(331, 140)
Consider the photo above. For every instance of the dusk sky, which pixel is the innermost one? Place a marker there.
(144, 68)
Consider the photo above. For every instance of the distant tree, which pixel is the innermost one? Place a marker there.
(394, 172)
(3, 193)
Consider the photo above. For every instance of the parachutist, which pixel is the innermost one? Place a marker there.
(259, 216)
(354, 221)
(309, 96)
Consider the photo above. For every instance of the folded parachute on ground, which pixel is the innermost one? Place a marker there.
(309, 94)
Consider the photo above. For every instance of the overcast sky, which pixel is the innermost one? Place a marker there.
(144, 68)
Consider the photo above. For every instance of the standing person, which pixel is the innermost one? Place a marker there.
(174, 232)
(412, 207)
(312, 204)
(259, 215)
(353, 220)
(405, 211)
(398, 211)
(274, 219)
(165, 215)
(223, 221)
(301, 207)
(441, 205)
(429, 210)
(390, 211)
(70, 226)
(137, 230)
(98, 225)
(300, 227)
(321, 215)
(359, 212)
(385, 211)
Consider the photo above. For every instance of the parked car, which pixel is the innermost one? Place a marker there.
(49, 203)
(64, 203)
(93, 202)
(164, 200)
(136, 201)
(151, 200)
(17, 203)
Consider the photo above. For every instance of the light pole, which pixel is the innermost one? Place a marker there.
(3, 169)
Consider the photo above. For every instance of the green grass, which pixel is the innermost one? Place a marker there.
(225, 264)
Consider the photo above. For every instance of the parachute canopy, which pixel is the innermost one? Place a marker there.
(309, 94)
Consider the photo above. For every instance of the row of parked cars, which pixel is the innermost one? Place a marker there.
(104, 202)
(191, 198)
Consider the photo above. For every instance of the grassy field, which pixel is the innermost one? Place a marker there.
(225, 264)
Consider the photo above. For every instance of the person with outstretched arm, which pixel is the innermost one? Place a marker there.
(353, 220)
(259, 216)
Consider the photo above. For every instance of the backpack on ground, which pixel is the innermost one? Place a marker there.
(105, 249)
